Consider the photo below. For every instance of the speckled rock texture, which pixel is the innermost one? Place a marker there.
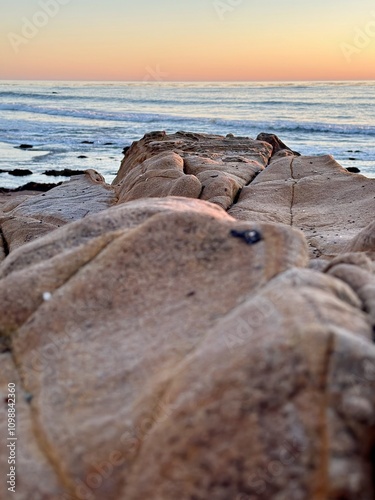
(202, 329)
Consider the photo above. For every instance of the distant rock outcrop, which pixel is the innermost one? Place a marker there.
(203, 328)
(210, 167)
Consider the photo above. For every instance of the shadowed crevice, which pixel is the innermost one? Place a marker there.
(372, 463)
(294, 182)
(4, 242)
(276, 143)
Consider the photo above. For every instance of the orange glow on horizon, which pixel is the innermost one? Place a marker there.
(205, 48)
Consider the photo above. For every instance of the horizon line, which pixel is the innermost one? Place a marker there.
(181, 81)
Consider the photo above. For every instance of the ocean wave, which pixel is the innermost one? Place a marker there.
(171, 120)
(187, 100)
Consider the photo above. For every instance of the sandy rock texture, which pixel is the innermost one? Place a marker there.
(202, 329)
(315, 194)
(210, 167)
(25, 218)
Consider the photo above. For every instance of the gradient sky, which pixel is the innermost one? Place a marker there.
(188, 40)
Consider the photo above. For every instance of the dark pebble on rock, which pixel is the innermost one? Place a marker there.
(250, 236)
(28, 397)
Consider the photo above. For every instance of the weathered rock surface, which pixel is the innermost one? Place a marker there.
(222, 165)
(315, 194)
(25, 218)
(159, 176)
(164, 348)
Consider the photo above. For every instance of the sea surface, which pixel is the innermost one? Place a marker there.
(57, 117)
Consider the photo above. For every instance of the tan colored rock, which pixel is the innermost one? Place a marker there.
(278, 147)
(222, 179)
(211, 167)
(31, 462)
(364, 241)
(276, 402)
(357, 270)
(159, 176)
(315, 194)
(191, 144)
(164, 349)
(123, 306)
(25, 218)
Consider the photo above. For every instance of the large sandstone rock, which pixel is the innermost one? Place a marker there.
(143, 285)
(164, 348)
(315, 194)
(25, 218)
(210, 167)
(159, 176)
(265, 408)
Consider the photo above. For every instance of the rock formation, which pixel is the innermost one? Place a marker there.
(201, 329)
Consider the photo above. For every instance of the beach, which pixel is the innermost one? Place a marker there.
(79, 125)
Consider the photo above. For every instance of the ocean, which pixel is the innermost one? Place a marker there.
(59, 118)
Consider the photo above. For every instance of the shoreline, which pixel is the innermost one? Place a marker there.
(310, 120)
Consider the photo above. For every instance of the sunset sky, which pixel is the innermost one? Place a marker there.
(187, 40)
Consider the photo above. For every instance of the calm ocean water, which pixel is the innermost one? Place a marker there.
(56, 117)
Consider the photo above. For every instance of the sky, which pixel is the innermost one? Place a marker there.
(194, 40)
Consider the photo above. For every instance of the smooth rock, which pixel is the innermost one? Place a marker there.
(318, 196)
(24, 219)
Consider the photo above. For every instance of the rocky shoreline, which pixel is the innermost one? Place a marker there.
(201, 328)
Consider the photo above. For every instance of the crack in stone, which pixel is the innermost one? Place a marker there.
(293, 191)
(68, 278)
(44, 446)
(5, 243)
(324, 453)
